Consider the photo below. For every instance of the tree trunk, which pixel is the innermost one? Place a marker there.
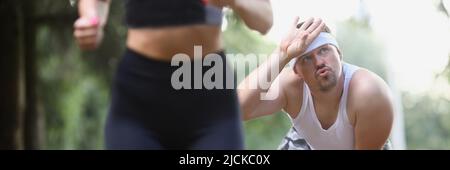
(33, 119)
(11, 82)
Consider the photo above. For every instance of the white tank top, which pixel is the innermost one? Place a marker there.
(340, 135)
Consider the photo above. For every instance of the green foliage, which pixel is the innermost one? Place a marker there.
(266, 132)
(427, 121)
(427, 116)
(74, 100)
(240, 39)
(74, 86)
(360, 46)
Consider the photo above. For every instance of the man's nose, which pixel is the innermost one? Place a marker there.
(319, 60)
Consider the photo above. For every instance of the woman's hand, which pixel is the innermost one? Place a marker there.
(88, 29)
(88, 32)
(298, 39)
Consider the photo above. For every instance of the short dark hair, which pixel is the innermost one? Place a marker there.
(325, 29)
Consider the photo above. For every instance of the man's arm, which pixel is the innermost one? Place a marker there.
(250, 92)
(295, 42)
(374, 110)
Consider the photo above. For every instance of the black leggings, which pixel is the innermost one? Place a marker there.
(146, 112)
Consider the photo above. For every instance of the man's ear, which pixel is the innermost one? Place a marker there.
(341, 56)
(296, 70)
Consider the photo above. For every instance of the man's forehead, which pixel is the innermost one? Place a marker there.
(314, 50)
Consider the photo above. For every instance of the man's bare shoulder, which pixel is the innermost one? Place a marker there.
(290, 80)
(372, 109)
(292, 86)
(368, 93)
(365, 83)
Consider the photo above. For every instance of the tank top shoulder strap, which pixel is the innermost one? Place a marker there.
(348, 71)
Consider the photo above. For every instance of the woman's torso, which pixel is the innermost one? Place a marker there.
(176, 27)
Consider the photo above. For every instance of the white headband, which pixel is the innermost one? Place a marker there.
(322, 39)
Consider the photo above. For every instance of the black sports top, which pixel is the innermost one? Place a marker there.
(159, 13)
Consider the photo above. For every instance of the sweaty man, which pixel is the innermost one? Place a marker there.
(332, 104)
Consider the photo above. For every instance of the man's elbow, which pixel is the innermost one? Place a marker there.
(246, 116)
(244, 107)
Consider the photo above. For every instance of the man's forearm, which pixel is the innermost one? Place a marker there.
(250, 89)
(257, 14)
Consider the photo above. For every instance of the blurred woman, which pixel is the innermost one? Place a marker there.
(146, 112)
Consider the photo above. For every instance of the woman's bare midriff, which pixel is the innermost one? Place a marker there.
(163, 43)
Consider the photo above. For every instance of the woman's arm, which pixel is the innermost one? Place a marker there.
(88, 28)
(257, 14)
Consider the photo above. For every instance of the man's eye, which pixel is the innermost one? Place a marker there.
(307, 58)
(324, 50)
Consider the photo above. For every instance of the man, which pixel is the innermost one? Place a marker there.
(332, 104)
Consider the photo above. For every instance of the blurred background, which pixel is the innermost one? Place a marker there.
(54, 96)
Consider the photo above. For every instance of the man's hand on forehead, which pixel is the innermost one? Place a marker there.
(306, 24)
(299, 38)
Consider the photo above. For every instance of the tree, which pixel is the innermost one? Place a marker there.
(42, 70)
(11, 73)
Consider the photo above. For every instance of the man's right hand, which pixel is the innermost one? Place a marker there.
(88, 32)
(298, 39)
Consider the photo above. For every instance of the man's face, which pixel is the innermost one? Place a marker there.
(320, 68)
